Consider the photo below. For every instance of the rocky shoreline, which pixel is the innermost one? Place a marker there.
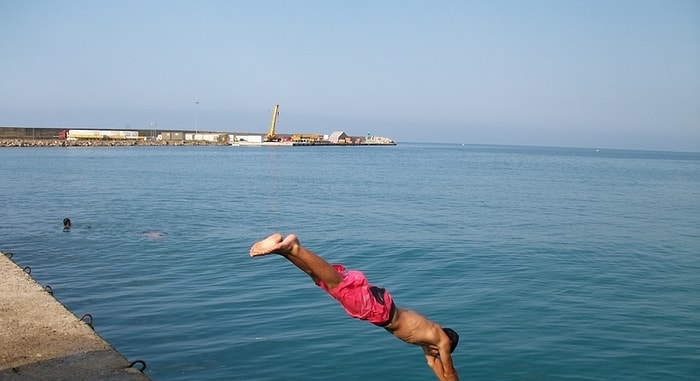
(100, 143)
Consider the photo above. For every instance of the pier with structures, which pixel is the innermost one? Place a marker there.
(42, 340)
(22, 136)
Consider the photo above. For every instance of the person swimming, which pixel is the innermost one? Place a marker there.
(152, 234)
(66, 224)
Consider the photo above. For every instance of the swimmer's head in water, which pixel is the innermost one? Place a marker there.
(66, 223)
(454, 338)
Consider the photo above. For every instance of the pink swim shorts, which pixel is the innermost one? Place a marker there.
(360, 299)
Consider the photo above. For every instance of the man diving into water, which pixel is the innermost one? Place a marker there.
(366, 302)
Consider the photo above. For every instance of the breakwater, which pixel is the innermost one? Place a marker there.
(42, 340)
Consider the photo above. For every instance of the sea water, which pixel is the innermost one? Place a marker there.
(551, 263)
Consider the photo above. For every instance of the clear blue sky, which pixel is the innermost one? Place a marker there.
(603, 74)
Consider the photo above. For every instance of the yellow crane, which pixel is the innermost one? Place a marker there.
(271, 137)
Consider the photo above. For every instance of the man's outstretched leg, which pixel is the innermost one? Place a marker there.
(316, 267)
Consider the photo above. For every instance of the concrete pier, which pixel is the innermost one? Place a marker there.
(40, 339)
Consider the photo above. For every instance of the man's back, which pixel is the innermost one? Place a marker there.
(416, 329)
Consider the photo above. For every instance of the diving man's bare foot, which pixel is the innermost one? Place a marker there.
(274, 244)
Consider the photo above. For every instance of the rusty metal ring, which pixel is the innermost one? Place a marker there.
(87, 322)
(138, 362)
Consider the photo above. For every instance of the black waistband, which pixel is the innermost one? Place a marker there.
(392, 311)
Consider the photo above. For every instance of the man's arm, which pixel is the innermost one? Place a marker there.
(448, 370)
(436, 364)
(444, 346)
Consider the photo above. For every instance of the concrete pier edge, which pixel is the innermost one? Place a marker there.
(40, 339)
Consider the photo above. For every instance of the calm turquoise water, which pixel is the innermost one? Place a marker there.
(551, 263)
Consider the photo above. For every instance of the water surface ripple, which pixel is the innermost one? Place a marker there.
(551, 263)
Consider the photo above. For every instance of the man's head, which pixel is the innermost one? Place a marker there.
(454, 338)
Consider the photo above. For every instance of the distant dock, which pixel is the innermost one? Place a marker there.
(42, 340)
(61, 137)
(289, 143)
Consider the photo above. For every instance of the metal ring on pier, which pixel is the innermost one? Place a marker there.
(9, 255)
(138, 362)
(48, 289)
(27, 269)
(87, 322)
